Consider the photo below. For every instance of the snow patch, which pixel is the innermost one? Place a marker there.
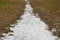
(29, 28)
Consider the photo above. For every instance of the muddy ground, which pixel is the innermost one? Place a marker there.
(49, 11)
(10, 11)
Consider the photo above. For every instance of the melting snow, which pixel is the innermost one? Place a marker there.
(29, 28)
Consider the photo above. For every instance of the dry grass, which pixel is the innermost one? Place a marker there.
(10, 11)
(49, 11)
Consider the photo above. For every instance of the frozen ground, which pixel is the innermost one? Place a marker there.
(30, 27)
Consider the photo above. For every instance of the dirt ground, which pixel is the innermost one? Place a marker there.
(49, 11)
(10, 11)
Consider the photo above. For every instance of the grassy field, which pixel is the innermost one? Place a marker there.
(10, 11)
(49, 11)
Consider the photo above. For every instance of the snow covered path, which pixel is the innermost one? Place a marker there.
(29, 28)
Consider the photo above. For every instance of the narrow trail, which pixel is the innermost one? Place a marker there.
(30, 27)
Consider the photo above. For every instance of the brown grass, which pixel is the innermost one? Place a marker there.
(49, 11)
(10, 11)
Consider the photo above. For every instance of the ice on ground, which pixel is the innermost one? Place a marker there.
(30, 27)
